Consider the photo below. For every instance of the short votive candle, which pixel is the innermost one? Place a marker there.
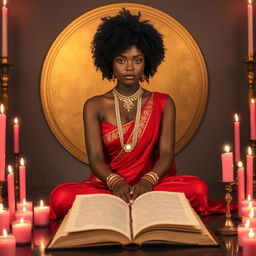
(242, 229)
(24, 203)
(7, 244)
(22, 231)
(25, 214)
(41, 214)
(249, 243)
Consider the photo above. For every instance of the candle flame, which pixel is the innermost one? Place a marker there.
(42, 244)
(24, 208)
(247, 223)
(22, 162)
(1, 207)
(236, 118)
(10, 169)
(5, 233)
(21, 220)
(249, 197)
(16, 120)
(249, 1)
(2, 108)
(4, 2)
(240, 164)
(251, 214)
(250, 204)
(24, 201)
(41, 203)
(251, 233)
(226, 148)
(249, 151)
(252, 101)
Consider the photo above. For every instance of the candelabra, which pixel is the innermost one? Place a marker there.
(251, 95)
(228, 228)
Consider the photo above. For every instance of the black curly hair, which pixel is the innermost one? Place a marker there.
(117, 34)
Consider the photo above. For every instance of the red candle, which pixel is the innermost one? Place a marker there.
(7, 244)
(22, 174)
(247, 201)
(4, 30)
(246, 209)
(242, 229)
(253, 120)
(241, 189)
(2, 142)
(251, 218)
(24, 203)
(25, 214)
(227, 165)
(11, 193)
(237, 138)
(22, 231)
(4, 219)
(250, 27)
(249, 243)
(249, 172)
(16, 135)
(42, 215)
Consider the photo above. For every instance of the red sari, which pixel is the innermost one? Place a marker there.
(133, 165)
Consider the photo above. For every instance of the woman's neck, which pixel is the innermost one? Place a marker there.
(127, 89)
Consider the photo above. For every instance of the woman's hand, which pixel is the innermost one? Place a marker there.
(140, 188)
(122, 189)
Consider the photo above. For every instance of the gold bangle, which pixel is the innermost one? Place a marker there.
(152, 177)
(112, 179)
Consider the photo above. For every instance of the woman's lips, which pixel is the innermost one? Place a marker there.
(129, 77)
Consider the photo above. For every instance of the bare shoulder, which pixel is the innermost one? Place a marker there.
(170, 105)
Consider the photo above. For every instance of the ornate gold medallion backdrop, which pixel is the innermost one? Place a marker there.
(69, 77)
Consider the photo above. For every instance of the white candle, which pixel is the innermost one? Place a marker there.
(2, 142)
(7, 244)
(22, 174)
(22, 231)
(4, 30)
(42, 215)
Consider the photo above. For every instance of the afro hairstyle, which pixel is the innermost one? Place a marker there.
(117, 34)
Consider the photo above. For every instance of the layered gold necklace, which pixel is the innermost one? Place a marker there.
(128, 104)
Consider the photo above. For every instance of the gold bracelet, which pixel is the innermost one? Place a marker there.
(112, 179)
(152, 177)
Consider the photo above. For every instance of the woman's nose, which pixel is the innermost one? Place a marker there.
(129, 65)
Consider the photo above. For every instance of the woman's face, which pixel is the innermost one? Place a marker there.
(128, 67)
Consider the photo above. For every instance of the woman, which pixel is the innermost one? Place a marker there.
(130, 131)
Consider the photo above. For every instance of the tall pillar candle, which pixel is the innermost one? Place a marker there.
(250, 28)
(241, 187)
(4, 30)
(237, 138)
(22, 174)
(227, 165)
(11, 193)
(16, 136)
(2, 142)
(252, 120)
(249, 173)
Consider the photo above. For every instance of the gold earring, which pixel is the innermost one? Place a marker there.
(143, 78)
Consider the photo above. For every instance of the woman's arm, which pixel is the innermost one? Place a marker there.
(166, 149)
(92, 130)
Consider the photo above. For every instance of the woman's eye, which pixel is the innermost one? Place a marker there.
(120, 61)
(138, 61)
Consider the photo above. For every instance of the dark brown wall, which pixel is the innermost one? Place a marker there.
(218, 26)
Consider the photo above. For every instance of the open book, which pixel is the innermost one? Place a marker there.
(154, 218)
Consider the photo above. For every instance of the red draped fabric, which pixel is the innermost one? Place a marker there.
(133, 165)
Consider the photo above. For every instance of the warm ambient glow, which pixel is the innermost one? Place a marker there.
(249, 151)
(22, 162)
(252, 101)
(16, 120)
(251, 214)
(21, 220)
(247, 223)
(249, 1)
(1, 207)
(249, 197)
(240, 164)
(5, 232)
(10, 169)
(236, 118)
(4, 2)
(250, 204)
(41, 203)
(227, 148)
(251, 233)
(24, 208)
(2, 108)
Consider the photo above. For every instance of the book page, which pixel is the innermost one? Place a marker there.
(158, 207)
(99, 212)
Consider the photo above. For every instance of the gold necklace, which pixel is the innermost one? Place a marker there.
(128, 147)
(128, 100)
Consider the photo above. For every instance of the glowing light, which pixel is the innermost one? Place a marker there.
(236, 118)
(227, 148)
(10, 169)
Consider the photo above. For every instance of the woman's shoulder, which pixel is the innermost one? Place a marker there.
(99, 99)
(164, 99)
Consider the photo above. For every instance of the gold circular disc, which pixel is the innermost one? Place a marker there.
(69, 77)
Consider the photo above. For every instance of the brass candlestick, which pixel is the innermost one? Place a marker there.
(228, 228)
(5, 79)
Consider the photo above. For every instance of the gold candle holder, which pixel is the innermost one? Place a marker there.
(228, 228)
(5, 80)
